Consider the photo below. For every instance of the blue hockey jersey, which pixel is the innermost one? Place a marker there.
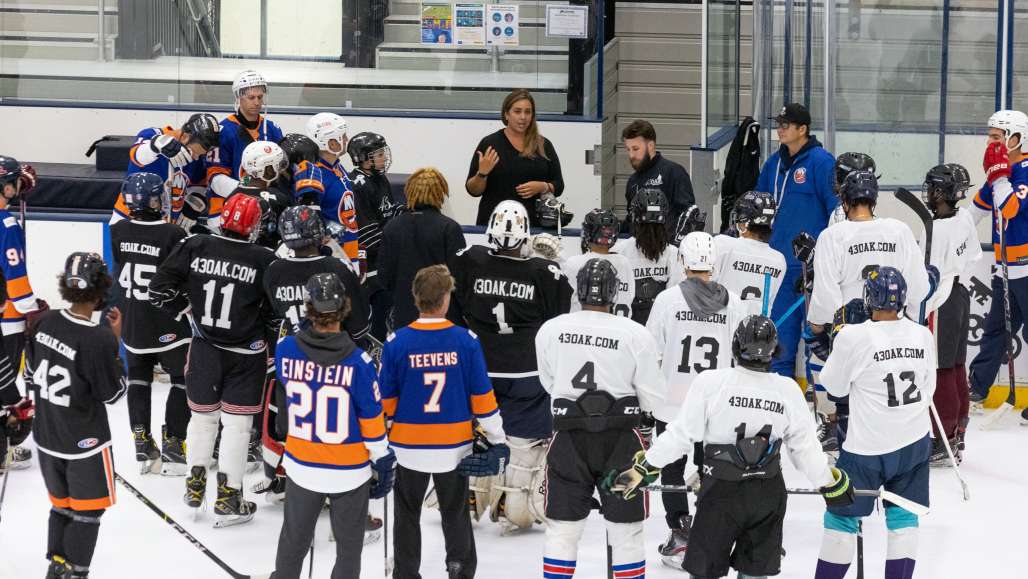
(20, 299)
(227, 158)
(143, 160)
(1015, 212)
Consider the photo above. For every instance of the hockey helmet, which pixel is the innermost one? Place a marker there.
(508, 225)
(1011, 123)
(242, 216)
(885, 289)
(961, 175)
(597, 283)
(10, 170)
(697, 251)
(145, 195)
(600, 227)
(942, 182)
(263, 160)
(299, 147)
(649, 206)
(549, 211)
(325, 127)
(84, 270)
(204, 129)
(246, 80)
(301, 226)
(859, 186)
(755, 341)
(755, 208)
(690, 220)
(370, 147)
(325, 293)
(847, 163)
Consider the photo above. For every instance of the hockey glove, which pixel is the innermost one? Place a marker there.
(16, 421)
(690, 220)
(996, 162)
(840, 493)
(854, 312)
(170, 148)
(383, 472)
(27, 179)
(546, 246)
(639, 474)
(32, 318)
(820, 343)
(193, 207)
(490, 462)
(803, 248)
(808, 288)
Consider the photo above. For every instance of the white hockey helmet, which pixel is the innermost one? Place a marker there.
(1011, 123)
(324, 127)
(263, 160)
(508, 225)
(248, 79)
(697, 251)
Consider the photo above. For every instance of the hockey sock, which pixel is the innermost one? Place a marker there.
(200, 436)
(176, 409)
(139, 403)
(55, 533)
(901, 553)
(235, 441)
(80, 538)
(561, 551)
(837, 546)
(629, 550)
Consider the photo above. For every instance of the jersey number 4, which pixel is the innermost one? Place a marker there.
(911, 395)
(52, 392)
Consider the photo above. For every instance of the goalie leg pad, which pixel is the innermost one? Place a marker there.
(521, 487)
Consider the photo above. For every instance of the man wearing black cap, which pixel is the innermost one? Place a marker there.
(800, 175)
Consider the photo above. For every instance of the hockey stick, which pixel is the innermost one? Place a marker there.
(385, 537)
(1000, 413)
(5, 464)
(189, 537)
(914, 507)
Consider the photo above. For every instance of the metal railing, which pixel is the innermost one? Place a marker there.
(151, 28)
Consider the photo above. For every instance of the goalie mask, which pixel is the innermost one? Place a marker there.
(508, 226)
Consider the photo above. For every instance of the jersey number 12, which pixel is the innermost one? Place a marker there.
(911, 395)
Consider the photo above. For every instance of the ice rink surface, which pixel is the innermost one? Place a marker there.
(982, 538)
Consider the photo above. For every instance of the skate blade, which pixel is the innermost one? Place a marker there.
(174, 469)
(673, 561)
(198, 511)
(150, 466)
(252, 466)
(370, 537)
(19, 465)
(222, 521)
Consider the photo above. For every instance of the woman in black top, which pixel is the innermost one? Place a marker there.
(515, 162)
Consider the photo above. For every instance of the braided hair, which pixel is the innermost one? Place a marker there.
(426, 186)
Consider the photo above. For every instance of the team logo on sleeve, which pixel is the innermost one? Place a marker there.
(88, 443)
(800, 176)
(167, 338)
(257, 346)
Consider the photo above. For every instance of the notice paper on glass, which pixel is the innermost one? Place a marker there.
(567, 21)
(469, 24)
(436, 24)
(501, 24)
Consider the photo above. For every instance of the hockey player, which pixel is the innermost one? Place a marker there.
(601, 372)
(221, 278)
(692, 324)
(599, 234)
(845, 164)
(329, 380)
(327, 182)
(742, 415)
(653, 261)
(505, 299)
(955, 247)
(72, 369)
(887, 368)
(434, 382)
(238, 130)
(178, 156)
(263, 164)
(746, 265)
(139, 245)
(302, 154)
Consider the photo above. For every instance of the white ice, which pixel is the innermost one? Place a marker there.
(981, 538)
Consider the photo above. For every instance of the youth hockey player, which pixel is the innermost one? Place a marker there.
(139, 245)
(692, 324)
(742, 415)
(746, 265)
(653, 261)
(887, 368)
(601, 372)
(599, 234)
(221, 278)
(329, 380)
(845, 164)
(263, 163)
(955, 247)
(505, 299)
(179, 157)
(332, 187)
(302, 153)
(434, 383)
(72, 370)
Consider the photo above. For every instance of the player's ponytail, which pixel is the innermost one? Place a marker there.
(651, 239)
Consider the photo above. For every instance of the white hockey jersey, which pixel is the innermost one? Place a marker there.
(955, 247)
(887, 369)
(588, 350)
(690, 342)
(726, 404)
(848, 250)
(650, 277)
(626, 285)
(750, 269)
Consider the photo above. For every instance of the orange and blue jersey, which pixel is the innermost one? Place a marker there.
(434, 382)
(228, 157)
(1015, 212)
(143, 160)
(337, 205)
(20, 299)
(336, 424)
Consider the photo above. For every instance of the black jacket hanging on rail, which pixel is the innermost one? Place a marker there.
(742, 167)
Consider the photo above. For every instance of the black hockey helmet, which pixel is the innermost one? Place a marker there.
(755, 342)
(941, 183)
(145, 196)
(549, 210)
(301, 226)
(755, 208)
(692, 219)
(597, 283)
(325, 293)
(600, 227)
(961, 175)
(299, 147)
(859, 186)
(203, 128)
(649, 206)
(10, 170)
(84, 270)
(364, 146)
(847, 163)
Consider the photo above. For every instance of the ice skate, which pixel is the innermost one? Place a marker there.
(273, 489)
(173, 454)
(672, 551)
(58, 569)
(196, 487)
(939, 457)
(1024, 417)
(21, 458)
(147, 455)
(231, 508)
(977, 403)
(372, 530)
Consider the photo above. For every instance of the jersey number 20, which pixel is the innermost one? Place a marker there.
(308, 401)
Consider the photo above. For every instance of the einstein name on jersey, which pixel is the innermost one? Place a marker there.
(756, 404)
(433, 359)
(586, 340)
(896, 353)
(870, 246)
(505, 288)
(757, 268)
(143, 248)
(308, 371)
(690, 316)
(225, 269)
(56, 345)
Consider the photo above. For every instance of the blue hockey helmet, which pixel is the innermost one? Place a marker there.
(885, 289)
(859, 186)
(144, 195)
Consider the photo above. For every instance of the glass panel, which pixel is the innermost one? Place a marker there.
(971, 66)
(723, 67)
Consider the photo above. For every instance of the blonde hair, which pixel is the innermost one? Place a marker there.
(426, 186)
(534, 145)
(430, 287)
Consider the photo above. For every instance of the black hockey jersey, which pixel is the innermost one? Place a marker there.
(223, 279)
(284, 283)
(138, 248)
(278, 199)
(372, 197)
(72, 369)
(505, 300)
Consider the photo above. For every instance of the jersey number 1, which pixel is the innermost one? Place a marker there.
(210, 289)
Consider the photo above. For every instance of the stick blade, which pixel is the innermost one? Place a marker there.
(914, 203)
(995, 420)
(916, 508)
